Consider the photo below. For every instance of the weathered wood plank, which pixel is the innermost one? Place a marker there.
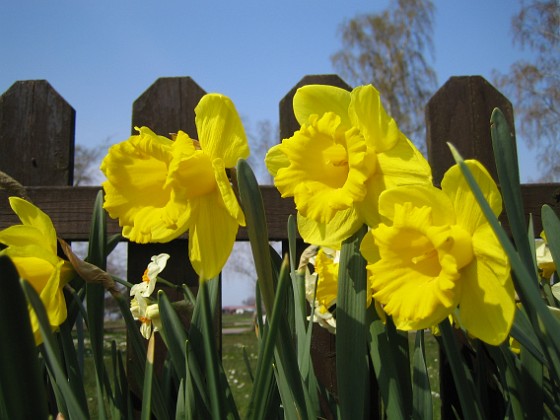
(70, 209)
(36, 134)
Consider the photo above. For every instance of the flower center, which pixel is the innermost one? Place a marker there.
(145, 277)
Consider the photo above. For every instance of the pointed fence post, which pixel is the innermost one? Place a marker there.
(36, 134)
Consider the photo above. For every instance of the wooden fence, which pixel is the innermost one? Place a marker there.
(37, 149)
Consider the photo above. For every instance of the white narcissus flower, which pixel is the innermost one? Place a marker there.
(149, 278)
(140, 306)
(147, 314)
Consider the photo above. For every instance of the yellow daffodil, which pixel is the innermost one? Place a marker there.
(347, 151)
(159, 188)
(545, 262)
(32, 246)
(440, 257)
(149, 278)
(321, 285)
(147, 314)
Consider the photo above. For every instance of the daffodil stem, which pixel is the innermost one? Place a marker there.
(123, 282)
(168, 283)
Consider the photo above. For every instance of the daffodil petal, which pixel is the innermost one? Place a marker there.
(331, 234)
(367, 113)
(276, 159)
(53, 298)
(21, 235)
(486, 308)
(419, 196)
(30, 215)
(413, 300)
(229, 198)
(320, 99)
(403, 164)
(221, 133)
(211, 237)
(468, 212)
(368, 249)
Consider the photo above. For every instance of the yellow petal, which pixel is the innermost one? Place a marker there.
(211, 236)
(368, 115)
(467, 210)
(403, 164)
(30, 215)
(487, 307)
(190, 170)
(414, 300)
(228, 195)
(137, 191)
(276, 159)
(368, 248)
(342, 226)
(419, 196)
(220, 130)
(327, 279)
(320, 99)
(35, 270)
(22, 235)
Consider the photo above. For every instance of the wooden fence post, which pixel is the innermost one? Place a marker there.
(460, 113)
(166, 107)
(36, 134)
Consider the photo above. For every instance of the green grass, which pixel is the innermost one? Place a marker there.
(233, 361)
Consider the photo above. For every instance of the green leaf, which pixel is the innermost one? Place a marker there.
(53, 357)
(136, 345)
(543, 322)
(470, 401)
(95, 298)
(352, 371)
(253, 207)
(421, 390)
(551, 224)
(173, 333)
(505, 153)
(18, 354)
(382, 353)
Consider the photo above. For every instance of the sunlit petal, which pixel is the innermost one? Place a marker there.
(368, 115)
(331, 234)
(466, 207)
(487, 305)
(221, 133)
(30, 215)
(320, 99)
(211, 237)
(276, 159)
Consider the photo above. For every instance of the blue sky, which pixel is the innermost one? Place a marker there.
(100, 56)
